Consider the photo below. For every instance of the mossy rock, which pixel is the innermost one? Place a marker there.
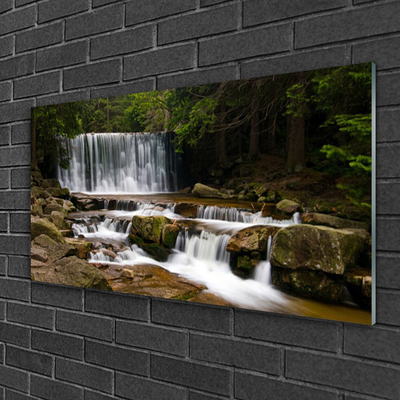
(135, 239)
(315, 285)
(332, 221)
(288, 206)
(41, 226)
(150, 228)
(156, 251)
(317, 248)
(169, 235)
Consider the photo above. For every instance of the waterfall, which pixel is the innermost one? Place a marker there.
(121, 162)
(262, 272)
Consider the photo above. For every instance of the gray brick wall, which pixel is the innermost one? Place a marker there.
(68, 343)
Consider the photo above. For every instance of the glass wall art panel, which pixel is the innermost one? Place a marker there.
(255, 194)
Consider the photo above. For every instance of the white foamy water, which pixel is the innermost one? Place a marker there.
(121, 163)
(262, 272)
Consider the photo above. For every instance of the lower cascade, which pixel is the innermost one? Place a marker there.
(121, 162)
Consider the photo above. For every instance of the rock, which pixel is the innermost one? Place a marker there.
(251, 196)
(150, 228)
(169, 235)
(36, 210)
(262, 199)
(67, 233)
(332, 221)
(38, 254)
(246, 264)
(82, 246)
(64, 192)
(58, 219)
(272, 197)
(72, 271)
(288, 206)
(186, 190)
(54, 183)
(55, 192)
(201, 190)
(87, 204)
(37, 192)
(53, 207)
(154, 250)
(186, 210)
(316, 285)
(317, 248)
(261, 191)
(359, 283)
(40, 226)
(108, 253)
(254, 238)
(128, 273)
(43, 241)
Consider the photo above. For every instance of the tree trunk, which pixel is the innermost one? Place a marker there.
(271, 133)
(222, 155)
(254, 148)
(295, 156)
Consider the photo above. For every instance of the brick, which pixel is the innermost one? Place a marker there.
(199, 24)
(14, 289)
(251, 387)
(17, 20)
(19, 266)
(20, 223)
(13, 378)
(305, 61)
(55, 343)
(2, 310)
(201, 396)
(5, 91)
(160, 61)
(145, 85)
(39, 37)
(85, 375)
(192, 316)
(117, 358)
(5, 133)
(133, 388)
(58, 296)
(320, 335)
(14, 334)
(198, 77)
(86, 325)
(3, 269)
(16, 111)
(361, 1)
(270, 40)
(64, 98)
(37, 85)
(124, 42)
(54, 9)
(27, 314)
(15, 245)
(258, 11)
(6, 46)
(187, 373)
(89, 395)
(62, 56)
(372, 343)
(93, 74)
(17, 66)
(4, 178)
(235, 353)
(205, 3)
(6, 5)
(387, 308)
(93, 23)
(29, 360)
(99, 3)
(387, 195)
(358, 376)
(3, 222)
(383, 52)
(387, 272)
(12, 395)
(387, 94)
(386, 165)
(144, 10)
(21, 133)
(387, 234)
(387, 122)
(117, 305)
(342, 26)
(20, 178)
(19, 3)
(13, 200)
(151, 337)
(51, 389)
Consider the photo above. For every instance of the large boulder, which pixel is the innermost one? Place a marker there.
(254, 238)
(150, 228)
(316, 285)
(332, 221)
(58, 219)
(82, 246)
(201, 190)
(53, 250)
(317, 248)
(71, 271)
(288, 206)
(41, 226)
